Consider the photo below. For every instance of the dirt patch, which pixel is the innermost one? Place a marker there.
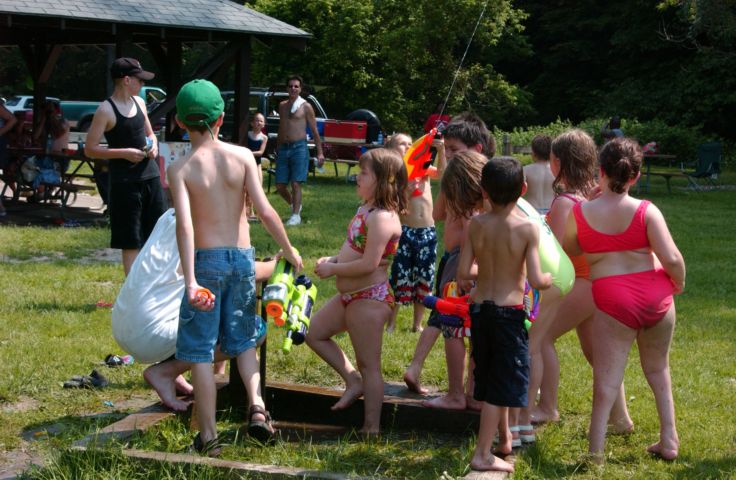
(22, 405)
(110, 255)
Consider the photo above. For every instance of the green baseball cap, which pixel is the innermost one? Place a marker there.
(199, 102)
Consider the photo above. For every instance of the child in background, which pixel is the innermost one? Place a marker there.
(636, 268)
(213, 238)
(465, 131)
(412, 271)
(573, 161)
(257, 141)
(505, 247)
(539, 178)
(364, 303)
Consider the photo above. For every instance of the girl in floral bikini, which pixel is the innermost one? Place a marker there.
(364, 303)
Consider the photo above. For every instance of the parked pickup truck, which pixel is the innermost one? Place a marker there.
(80, 113)
(266, 101)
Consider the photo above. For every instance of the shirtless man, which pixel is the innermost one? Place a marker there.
(539, 176)
(209, 187)
(292, 163)
(136, 197)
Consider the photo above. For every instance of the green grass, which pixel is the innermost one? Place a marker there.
(51, 330)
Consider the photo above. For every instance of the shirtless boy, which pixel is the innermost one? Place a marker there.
(539, 176)
(292, 162)
(505, 248)
(209, 187)
(465, 131)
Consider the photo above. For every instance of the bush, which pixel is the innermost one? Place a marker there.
(678, 140)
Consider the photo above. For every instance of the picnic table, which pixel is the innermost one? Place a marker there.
(658, 158)
(68, 186)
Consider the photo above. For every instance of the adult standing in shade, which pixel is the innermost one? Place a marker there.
(7, 122)
(292, 163)
(136, 198)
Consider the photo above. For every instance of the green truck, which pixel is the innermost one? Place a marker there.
(79, 113)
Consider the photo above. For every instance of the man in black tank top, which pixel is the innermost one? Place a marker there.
(136, 198)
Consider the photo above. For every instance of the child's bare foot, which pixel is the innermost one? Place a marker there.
(505, 444)
(182, 386)
(621, 427)
(166, 389)
(412, 383)
(353, 391)
(665, 452)
(417, 329)
(492, 463)
(390, 326)
(473, 404)
(446, 402)
(538, 415)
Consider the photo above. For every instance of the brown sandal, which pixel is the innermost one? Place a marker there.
(262, 431)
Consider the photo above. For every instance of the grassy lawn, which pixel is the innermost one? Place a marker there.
(50, 330)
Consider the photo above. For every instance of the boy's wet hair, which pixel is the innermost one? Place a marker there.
(503, 180)
(541, 146)
(620, 160)
(577, 153)
(461, 183)
(471, 130)
(391, 178)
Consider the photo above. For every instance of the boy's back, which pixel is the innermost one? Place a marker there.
(216, 176)
(499, 242)
(539, 181)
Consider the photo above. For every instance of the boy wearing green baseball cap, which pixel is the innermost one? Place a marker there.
(209, 186)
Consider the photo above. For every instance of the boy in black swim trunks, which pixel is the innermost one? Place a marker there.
(505, 248)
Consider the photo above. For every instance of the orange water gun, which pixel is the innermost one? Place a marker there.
(418, 159)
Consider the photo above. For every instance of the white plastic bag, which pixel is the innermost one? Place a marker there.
(145, 317)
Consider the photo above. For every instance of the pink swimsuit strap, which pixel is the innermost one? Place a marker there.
(358, 234)
(593, 241)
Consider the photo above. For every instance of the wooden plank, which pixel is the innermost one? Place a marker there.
(127, 427)
(234, 469)
(401, 410)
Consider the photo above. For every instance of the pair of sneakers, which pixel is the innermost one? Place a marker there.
(295, 218)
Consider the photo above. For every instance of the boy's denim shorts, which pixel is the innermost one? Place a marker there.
(292, 162)
(230, 274)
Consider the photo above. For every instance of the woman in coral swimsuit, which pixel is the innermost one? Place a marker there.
(365, 300)
(573, 161)
(635, 267)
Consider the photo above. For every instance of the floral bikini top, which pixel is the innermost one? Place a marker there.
(358, 233)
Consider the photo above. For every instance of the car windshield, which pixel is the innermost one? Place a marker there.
(12, 101)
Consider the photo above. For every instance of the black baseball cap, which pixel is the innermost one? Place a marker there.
(129, 67)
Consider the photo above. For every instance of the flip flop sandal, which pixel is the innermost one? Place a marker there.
(213, 448)
(262, 431)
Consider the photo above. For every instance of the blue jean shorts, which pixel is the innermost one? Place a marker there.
(230, 274)
(292, 162)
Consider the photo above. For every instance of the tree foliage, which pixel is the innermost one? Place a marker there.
(398, 57)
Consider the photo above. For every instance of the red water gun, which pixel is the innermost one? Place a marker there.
(418, 159)
(454, 311)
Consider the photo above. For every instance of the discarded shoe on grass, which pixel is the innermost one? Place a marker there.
(116, 361)
(93, 380)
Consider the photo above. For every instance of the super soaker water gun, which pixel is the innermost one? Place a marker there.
(453, 311)
(418, 159)
(300, 311)
(279, 291)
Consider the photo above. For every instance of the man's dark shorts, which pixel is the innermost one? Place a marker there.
(501, 353)
(134, 207)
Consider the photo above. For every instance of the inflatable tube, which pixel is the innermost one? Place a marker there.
(145, 317)
(553, 259)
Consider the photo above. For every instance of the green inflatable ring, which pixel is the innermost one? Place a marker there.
(551, 255)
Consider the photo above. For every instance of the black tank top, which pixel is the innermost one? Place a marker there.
(129, 133)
